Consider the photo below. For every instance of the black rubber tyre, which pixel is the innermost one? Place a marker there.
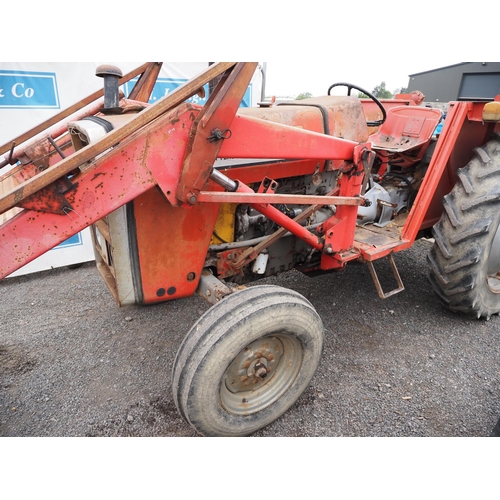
(246, 361)
(465, 259)
(496, 430)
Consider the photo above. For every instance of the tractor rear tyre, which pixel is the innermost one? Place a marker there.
(246, 361)
(465, 259)
(496, 430)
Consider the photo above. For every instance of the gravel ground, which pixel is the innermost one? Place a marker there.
(74, 364)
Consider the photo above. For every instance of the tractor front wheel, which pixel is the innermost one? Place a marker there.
(246, 361)
(465, 258)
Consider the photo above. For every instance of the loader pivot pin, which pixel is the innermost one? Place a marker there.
(111, 75)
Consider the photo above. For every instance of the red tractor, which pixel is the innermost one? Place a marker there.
(186, 199)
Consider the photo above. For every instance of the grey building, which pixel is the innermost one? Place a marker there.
(462, 81)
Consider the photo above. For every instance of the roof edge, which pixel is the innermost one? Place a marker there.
(438, 69)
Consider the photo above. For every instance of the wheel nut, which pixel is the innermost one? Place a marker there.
(260, 370)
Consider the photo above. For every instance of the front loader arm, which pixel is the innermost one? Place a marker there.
(172, 145)
(109, 173)
(117, 177)
(88, 153)
(211, 127)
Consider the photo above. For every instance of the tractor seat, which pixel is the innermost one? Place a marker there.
(406, 128)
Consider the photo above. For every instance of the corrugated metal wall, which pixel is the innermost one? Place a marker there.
(458, 81)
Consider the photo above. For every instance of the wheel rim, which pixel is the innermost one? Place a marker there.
(261, 373)
(494, 264)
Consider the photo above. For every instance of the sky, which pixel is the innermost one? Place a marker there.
(307, 45)
(290, 78)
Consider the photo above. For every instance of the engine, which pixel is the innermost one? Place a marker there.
(251, 227)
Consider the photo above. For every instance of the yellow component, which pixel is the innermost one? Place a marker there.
(491, 111)
(224, 225)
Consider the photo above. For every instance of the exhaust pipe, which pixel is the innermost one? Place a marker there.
(111, 75)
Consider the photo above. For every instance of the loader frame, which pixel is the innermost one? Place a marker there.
(57, 204)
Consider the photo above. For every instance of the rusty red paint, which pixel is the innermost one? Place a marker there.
(213, 121)
(123, 175)
(171, 244)
(166, 149)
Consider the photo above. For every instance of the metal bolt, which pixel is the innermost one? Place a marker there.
(192, 199)
(260, 370)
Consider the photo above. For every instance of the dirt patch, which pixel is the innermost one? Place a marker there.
(12, 360)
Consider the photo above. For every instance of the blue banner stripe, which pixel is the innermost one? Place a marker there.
(24, 89)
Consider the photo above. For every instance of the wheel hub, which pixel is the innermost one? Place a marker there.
(260, 374)
(260, 368)
(254, 365)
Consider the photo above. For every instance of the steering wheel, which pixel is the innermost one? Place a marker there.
(350, 86)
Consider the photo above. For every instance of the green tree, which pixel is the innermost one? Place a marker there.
(381, 92)
(304, 95)
(402, 90)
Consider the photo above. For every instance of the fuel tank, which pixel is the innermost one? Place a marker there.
(332, 115)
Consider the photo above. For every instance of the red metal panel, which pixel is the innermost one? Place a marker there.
(172, 245)
(165, 150)
(256, 138)
(331, 115)
(339, 230)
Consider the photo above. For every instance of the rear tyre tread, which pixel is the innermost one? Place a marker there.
(464, 236)
(450, 211)
(466, 182)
